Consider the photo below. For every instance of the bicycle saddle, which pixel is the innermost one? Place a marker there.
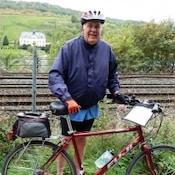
(58, 108)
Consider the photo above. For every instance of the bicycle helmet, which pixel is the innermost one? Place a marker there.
(92, 15)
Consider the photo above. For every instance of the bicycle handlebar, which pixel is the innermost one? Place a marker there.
(123, 99)
(59, 108)
(132, 101)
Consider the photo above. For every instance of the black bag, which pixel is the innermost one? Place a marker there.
(32, 124)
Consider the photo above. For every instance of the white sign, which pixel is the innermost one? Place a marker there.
(140, 115)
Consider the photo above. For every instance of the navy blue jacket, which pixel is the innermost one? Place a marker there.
(84, 72)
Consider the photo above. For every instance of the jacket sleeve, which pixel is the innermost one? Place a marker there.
(113, 79)
(57, 77)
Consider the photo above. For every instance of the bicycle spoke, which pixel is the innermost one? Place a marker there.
(163, 158)
(28, 160)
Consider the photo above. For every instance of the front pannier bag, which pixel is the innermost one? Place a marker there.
(32, 124)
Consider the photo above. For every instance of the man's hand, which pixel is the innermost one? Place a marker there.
(73, 107)
(115, 93)
(120, 98)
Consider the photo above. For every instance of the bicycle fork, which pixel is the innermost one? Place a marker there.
(149, 159)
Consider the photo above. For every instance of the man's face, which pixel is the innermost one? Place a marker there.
(92, 32)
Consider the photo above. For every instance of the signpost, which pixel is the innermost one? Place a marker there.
(34, 78)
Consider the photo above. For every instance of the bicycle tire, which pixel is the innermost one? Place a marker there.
(163, 158)
(28, 161)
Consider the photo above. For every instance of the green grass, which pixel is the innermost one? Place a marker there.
(97, 145)
(13, 25)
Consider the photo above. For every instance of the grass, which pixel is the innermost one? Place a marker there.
(97, 145)
(21, 23)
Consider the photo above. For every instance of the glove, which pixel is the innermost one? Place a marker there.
(120, 99)
(72, 106)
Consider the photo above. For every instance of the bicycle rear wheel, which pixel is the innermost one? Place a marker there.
(28, 157)
(163, 158)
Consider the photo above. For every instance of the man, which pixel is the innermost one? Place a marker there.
(84, 68)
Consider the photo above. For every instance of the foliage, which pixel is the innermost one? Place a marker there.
(157, 42)
(10, 58)
(110, 118)
(47, 10)
(74, 19)
(139, 47)
(123, 43)
(24, 22)
(5, 145)
(5, 41)
(37, 6)
(63, 33)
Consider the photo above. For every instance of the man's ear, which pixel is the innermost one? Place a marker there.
(82, 27)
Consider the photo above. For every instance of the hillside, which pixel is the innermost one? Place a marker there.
(36, 16)
(46, 9)
(37, 6)
(19, 23)
(130, 40)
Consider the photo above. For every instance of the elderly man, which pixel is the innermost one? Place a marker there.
(84, 68)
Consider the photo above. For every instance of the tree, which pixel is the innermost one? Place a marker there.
(5, 41)
(74, 19)
(157, 42)
(122, 41)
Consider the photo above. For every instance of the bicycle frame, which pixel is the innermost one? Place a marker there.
(139, 139)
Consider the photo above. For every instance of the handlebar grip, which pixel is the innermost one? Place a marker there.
(155, 108)
(121, 99)
(118, 98)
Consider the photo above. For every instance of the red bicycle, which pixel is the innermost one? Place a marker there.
(41, 157)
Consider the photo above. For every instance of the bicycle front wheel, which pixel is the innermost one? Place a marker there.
(163, 158)
(28, 158)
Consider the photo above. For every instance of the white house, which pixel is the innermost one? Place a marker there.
(31, 38)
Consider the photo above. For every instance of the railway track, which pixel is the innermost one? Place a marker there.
(16, 90)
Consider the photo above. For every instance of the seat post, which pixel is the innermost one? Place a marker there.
(69, 124)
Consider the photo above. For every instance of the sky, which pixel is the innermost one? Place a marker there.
(140, 10)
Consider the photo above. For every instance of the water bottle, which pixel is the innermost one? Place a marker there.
(104, 158)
